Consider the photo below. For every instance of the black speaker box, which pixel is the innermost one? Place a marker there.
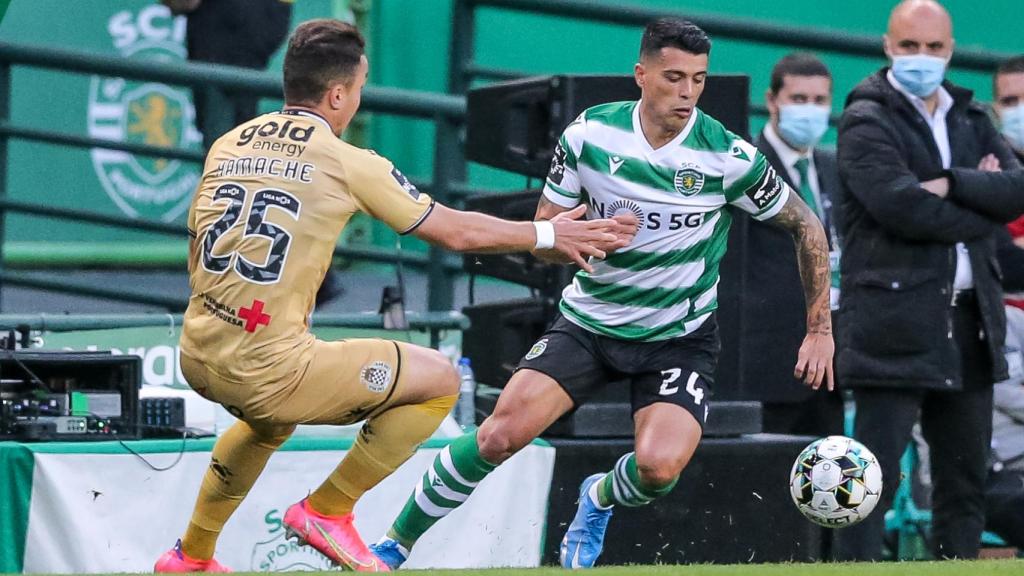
(614, 419)
(515, 125)
(731, 506)
(500, 333)
(522, 267)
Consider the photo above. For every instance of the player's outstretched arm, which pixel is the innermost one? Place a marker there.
(475, 232)
(814, 361)
(625, 229)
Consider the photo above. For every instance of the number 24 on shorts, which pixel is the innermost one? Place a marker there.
(673, 374)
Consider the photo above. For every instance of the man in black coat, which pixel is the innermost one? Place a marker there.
(926, 184)
(243, 33)
(799, 101)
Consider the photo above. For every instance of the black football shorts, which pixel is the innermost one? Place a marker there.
(678, 370)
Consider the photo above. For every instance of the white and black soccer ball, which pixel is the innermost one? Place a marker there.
(835, 482)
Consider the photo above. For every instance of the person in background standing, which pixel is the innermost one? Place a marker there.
(243, 33)
(1004, 492)
(926, 185)
(799, 101)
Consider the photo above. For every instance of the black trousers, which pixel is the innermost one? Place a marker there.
(958, 428)
(1004, 506)
(820, 414)
(244, 107)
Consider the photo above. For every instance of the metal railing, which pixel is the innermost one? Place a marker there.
(464, 68)
(447, 183)
(433, 322)
(446, 111)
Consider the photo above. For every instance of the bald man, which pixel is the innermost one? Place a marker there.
(926, 183)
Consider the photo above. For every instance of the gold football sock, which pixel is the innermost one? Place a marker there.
(238, 458)
(384, 443)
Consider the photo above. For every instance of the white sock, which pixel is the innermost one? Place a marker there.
(592, 493)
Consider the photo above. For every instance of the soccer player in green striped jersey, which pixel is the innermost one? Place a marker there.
(646, 313)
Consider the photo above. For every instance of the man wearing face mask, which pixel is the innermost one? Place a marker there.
(1008, 96)
(926, 185)
(1005, 488)
(1008, 93)
(1008, 104)
(799, 101)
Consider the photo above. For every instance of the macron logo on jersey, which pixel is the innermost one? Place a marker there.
(737, 151)
(614, 163)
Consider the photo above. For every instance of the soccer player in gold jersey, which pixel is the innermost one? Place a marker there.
(275, 194)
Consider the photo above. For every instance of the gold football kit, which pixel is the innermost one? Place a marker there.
(275, 194)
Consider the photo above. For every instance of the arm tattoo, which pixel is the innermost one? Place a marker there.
(812, 257)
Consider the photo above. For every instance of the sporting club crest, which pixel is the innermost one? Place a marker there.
(537, 349)
(688, 180)
(277, 554)
(144, 113)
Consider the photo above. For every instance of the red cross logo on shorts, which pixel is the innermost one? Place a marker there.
(254, 316)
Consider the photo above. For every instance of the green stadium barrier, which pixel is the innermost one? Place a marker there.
(465, 69)
(70, 322)
(432, 322)
(447, 113)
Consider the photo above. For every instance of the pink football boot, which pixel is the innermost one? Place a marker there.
(334, 536)
(174, 561)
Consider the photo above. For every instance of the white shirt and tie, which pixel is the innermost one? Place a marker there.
(964, 279)
(790, 158)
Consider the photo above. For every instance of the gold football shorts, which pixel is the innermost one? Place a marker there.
(344, 382)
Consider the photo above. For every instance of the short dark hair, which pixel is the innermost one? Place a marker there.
(797, 64)
(674, 33)
(320, 53)
(1014, 65)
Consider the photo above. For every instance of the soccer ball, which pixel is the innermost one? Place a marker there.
(835, 482)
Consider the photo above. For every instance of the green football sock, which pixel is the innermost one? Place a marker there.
(449, 481)
(623, 485)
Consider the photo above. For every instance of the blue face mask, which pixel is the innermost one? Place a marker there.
(1012, 125)
(920, 74)
(802, 125)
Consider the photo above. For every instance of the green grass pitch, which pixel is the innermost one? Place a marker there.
(949, 568)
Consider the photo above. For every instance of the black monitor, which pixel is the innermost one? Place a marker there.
(515, 125)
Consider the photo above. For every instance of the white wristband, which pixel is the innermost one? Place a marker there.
(545, 235)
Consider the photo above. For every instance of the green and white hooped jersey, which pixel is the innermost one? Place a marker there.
(665, 284)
